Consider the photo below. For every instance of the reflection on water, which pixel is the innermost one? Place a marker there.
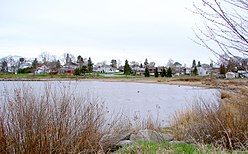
(133, 99)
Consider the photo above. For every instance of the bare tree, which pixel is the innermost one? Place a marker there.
(45, 57)
(134, 64)
(225, 25)
(113, 63)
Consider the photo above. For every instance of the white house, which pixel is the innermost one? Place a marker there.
(230, 75)
(203, 71)
(105, 69)
(41, 70)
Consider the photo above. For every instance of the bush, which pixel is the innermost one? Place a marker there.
(77, 71)
(25, 70)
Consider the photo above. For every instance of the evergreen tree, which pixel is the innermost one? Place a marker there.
(195, 72)
(141, 66)
(58, 65)
(146, 62)
(84, 69)
(127, 69)
(184, 71)
(34, 63)
(90, 65)
(163, 74)
(199, 64)
(156, 72)
(147, 72)
(193, 64)
(169, 72)
(222, 69)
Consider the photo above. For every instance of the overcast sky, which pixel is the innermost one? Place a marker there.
(101, 29)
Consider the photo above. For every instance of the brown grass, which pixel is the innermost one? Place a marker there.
(223, 124)
(52, 122)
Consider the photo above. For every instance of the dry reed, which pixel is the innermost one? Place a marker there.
(223, 124)
(53, 121)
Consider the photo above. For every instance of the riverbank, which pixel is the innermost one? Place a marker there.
(180, 81)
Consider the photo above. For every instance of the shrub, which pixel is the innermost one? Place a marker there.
(25, 70)
(77, 71)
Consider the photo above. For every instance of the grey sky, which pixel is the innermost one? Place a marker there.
(101, 29)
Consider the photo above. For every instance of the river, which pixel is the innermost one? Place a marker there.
(132, 99)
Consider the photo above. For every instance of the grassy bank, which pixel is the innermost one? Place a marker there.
(167, 147)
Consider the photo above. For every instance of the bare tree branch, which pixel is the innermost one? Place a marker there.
(225, 26)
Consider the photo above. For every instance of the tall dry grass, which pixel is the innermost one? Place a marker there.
(223, 124)
(52, 121)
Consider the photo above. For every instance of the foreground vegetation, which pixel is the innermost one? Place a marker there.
(59, 122)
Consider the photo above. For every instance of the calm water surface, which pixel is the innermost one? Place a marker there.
(133, 99)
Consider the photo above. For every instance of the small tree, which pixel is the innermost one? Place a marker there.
(169, 72)
(127, 69)
(90, 65)
(156, 72)
(147, 72)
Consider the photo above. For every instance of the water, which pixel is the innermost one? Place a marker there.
(132, 99)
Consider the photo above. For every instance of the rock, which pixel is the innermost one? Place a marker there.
(112, 142)
(115, 138)
(124, 143)
(151, 135)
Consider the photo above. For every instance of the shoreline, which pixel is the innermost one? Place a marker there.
(192, 82)
(169, 81)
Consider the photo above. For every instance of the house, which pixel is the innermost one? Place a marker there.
(230, 75)
(203, 70)
(138, 70)
(105, 69)
(242, 73)
(152, 70)
(177, 68)
(42, 69)
(24, 65)
(68, 68)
